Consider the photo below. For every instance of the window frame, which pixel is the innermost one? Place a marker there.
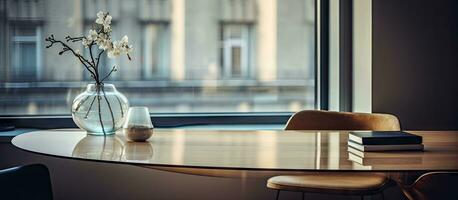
(170, 120)
(163, 120)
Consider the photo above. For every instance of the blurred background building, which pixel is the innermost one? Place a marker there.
(189, 55)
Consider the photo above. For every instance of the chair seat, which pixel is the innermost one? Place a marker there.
(342, 183)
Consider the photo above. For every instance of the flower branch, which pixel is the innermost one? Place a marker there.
(109, 73)
(66, 48)
(100, 36)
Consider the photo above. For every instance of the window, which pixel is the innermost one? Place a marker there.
(236, 50)
(25, 53)
(156, 51)
(189, 56)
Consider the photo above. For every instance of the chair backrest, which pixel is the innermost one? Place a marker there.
(434, 185)
(328, 120)
(26, 182)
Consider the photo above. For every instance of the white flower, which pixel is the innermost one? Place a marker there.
(124, 39)
(105, 45)
(77, 52)
(86, 42)
(100, 16)
(93, 35)
(115, 51)
(120, 47)
(124, 44)
(107, 29)
(103, 40)
(105, 20)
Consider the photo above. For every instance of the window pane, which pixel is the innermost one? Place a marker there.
(155, 51)
(24, 53)
(205, 56)
(25, 66)
(236, 61)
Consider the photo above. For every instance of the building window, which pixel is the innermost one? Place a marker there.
(236, 50)
(156, 53)
(25, 53)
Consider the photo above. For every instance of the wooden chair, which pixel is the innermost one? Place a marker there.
(433, 185)
(328, 120)
(360, 184)
(26, 182)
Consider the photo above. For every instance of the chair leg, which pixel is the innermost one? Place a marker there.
(303, 195)
(404, 197)
(362, 197)
(383, 196)
(278, 195)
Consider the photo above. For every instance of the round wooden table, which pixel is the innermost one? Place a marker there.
(215, 153)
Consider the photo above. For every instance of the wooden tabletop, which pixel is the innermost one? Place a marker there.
(244, 150)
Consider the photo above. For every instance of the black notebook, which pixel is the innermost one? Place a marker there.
(384, 138)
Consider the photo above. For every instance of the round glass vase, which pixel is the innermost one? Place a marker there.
(100, 109)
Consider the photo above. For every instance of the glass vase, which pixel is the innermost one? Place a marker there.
(100, 109)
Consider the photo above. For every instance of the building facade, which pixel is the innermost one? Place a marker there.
(189, 55)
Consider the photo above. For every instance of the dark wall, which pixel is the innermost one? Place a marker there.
(415, 62)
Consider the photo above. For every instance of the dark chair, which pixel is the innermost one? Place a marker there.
(433, 185)
(360, 184)
(26, 182)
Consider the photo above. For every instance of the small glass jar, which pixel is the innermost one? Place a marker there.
(100, 109)
(138, 127)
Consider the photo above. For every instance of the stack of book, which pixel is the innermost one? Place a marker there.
(384, 141)
(361, 144)
(373, 158)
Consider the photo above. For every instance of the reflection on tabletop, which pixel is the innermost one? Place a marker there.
(113, 148)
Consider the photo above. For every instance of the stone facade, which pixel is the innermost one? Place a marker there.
(204, 48)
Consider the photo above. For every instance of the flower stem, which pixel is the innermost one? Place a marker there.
(83, 101)
(120, 106)
(90, 107)
(109, 107)
(100, 112)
